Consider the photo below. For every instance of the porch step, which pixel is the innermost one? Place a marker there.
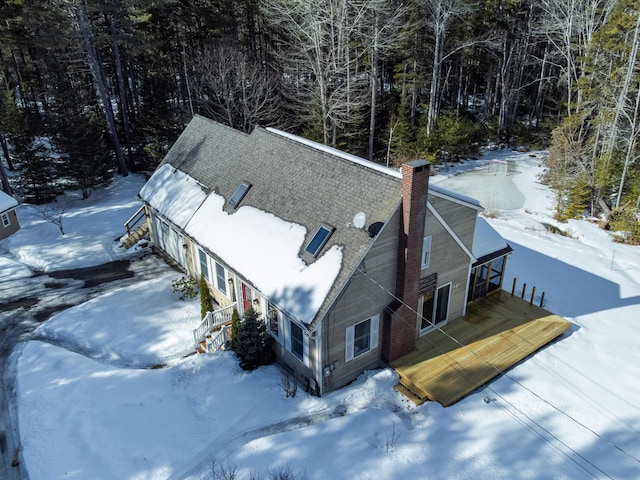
(202, 347)
(409, 394)
(138, 234)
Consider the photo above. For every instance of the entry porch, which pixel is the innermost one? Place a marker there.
(495, 334)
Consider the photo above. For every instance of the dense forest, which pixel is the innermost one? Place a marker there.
(94, 88)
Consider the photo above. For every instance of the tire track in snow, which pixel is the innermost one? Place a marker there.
(223, 446)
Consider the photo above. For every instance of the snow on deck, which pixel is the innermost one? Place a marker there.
(264, 249)
(174, 194)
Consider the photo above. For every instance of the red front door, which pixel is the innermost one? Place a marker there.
(247, 297)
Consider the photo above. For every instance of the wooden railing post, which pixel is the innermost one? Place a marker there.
(513, 288)
(524, 289)
(533, 294)
(542, 300)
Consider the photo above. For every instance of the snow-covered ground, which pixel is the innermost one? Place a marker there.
(570, 411)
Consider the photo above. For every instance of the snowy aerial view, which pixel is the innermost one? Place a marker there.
(110, 388)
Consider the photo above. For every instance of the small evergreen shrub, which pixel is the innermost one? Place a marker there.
(206, 302)
(235, 321)
(252, 341)
(186, 286)
(625, 220)
(578, 197)
(453, 138)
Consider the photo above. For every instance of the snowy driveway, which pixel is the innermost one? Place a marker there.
(26, 302)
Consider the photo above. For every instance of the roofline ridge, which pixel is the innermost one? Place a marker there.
(220, 124)
(376, 167)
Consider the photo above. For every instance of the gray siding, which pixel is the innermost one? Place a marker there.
(448, 259)
(13, 227)
(461, 218)
(294, 366)
(361, 299)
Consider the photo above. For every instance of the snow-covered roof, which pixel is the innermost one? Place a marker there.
(445, 192)
(302, 185)
(174, 194)
(264, 249)
(486, 240)
(7, 202)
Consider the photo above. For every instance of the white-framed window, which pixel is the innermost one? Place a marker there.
(221, 278)
(434, 307)
(6, 221)
(274, 322)
(362, 337)
(426, 252)
(298, 342)
(204, 264)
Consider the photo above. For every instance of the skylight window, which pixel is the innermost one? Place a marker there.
(239, 194)
(319, 239)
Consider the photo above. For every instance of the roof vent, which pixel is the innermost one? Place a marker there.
(375, 228)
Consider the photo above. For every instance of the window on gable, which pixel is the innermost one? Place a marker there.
(239, 194)
(319, 239)
(204, 264)
(5, 220)
(426, 252)
(362, 337)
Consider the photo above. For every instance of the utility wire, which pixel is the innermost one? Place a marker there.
(500, 371)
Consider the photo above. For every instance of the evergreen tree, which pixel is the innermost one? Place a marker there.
(235, 321)
(401, 137)
(253, 342)
(578, 198)
(79, 139)
(206, 302)
(38, 181)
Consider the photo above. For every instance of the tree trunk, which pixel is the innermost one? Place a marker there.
(5, 151)
(101, 86)
(124, 106)
(432, 112)
(374, 94)
(622, 98)
(6, 186)
(633, 135)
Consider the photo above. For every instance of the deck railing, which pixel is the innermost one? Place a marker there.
(212, 320)
(136, 218)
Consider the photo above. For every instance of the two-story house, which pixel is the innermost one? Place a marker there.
(347, 261)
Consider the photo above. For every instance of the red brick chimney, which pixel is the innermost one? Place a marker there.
(400, 329)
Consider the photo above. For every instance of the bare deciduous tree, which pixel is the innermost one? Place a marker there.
(53, 213)
(440, 14)
(235, 90)
(569, 26)
(323, 45)
(100, 82)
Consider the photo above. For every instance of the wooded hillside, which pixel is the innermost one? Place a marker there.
(97, 87)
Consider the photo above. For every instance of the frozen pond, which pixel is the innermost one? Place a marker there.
(494, 191)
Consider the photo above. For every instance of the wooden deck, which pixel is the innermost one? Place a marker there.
(496, 333)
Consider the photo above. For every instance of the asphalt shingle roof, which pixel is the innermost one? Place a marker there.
(295, 180)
